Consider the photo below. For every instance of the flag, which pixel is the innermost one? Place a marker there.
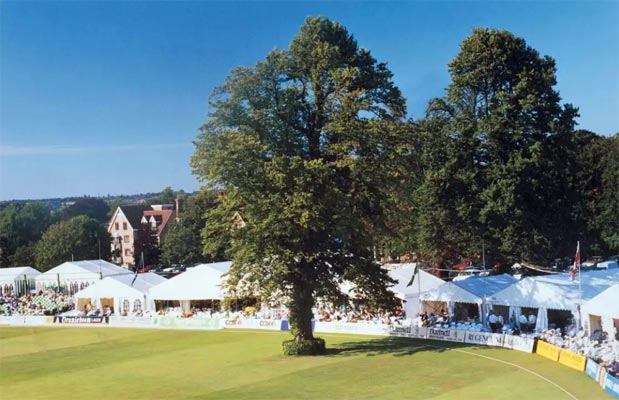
(576, 266)
(139, 265)
(410, 283)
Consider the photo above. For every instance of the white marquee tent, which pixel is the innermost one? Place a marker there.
(423, 281)
(202, 282)
(75, 275)
(17, 280)
(556, 292)
(474, 290)
(603, 310)
(121, 292)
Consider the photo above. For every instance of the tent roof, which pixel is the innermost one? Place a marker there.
(604, 304)
(556, 292)
(403, 276)
(120, 286)
(471, 290)
(10, 274)
(202, 282)
(86, 269)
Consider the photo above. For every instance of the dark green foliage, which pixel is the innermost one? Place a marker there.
(308, 347)
(307, 147)
(89, 206)
(21, 225)
(79, 238)
(496, 159)
(182, 244)
(146, 243)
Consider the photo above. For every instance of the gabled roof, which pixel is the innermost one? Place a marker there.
(121, 286)
(162, 217)
(202, 282)
(403, 274)
(10, 274)
(556, 292)
(80, 270)
(472, 290)
(134, 214)
(605, 304)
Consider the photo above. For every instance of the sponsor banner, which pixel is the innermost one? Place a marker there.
(595, 372)
(612, 385)
(548, 351)
(132, 322)
(268, 324)
(78, 320)
(187, 323)
(6, 320)
(485, 338)
(572, 360)
(352, 327)
(450, 335)
(397, 330)
(519, 343)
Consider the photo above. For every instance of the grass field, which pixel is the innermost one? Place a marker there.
(99, 363)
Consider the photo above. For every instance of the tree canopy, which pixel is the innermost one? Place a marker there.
(89, 206)
(495, 158)
(79, 238)
(306, 147)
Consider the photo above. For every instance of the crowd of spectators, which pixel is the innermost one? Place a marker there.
(362, 314)
(46, 302)
(597, 346)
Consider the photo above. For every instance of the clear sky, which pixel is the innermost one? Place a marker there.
(106, 97)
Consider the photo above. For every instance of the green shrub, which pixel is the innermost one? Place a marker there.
(312, 347)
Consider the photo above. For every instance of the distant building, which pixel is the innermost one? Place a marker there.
(126, 221)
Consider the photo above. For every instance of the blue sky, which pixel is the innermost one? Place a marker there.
(106, 97)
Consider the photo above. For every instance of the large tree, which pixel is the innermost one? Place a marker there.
(306, 147)
(79, 238)
(497, 152)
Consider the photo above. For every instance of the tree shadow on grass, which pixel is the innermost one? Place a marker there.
(396, 346)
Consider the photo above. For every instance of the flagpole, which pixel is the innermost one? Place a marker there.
(579, 288)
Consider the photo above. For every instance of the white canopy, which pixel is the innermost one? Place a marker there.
(73, 274)
(202, 282)
(422, 282)
(17, 279)
(472, 290)
(122, 287)
(556, 292)
(605, 304)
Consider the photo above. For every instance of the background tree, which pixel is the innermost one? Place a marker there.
(146, 243)
(597, 179)
(21, 225)
(306, 146)
(79, 238)
(89, 206)
(496, 157)
(182, 244)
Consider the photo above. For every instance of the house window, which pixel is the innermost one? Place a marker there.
(127, 252)
(116, 225)
(124, 225)
(126, 239)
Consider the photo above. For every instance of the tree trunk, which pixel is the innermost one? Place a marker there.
(301, 311)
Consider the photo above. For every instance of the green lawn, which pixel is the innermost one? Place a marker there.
(106, 363)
